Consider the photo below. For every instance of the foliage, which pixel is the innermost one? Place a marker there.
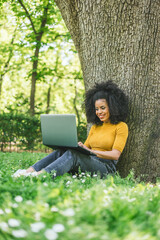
(75, 207)
(58, 65)
(19, 129)
(24, 131)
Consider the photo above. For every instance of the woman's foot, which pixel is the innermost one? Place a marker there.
(30, 169)
(42, 171)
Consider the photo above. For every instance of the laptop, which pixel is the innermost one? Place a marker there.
(60, 131)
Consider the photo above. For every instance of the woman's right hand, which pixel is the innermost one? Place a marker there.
(82, 145)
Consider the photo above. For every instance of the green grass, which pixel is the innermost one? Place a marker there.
(83, 207)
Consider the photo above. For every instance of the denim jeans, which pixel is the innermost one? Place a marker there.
(64, 161)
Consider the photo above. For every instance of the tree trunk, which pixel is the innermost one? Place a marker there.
(33, 81)
(75, 103)
(38, 36)
(119, 40)
(48, 99)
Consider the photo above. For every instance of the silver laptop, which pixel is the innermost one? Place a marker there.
(60, 131)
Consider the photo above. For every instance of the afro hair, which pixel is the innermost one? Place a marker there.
(116, 99)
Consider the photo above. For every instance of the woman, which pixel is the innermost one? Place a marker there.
(106, 107)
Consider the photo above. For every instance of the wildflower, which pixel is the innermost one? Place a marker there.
(69, 182)
(71, 222)
(68, 212)
(14, 205)
(54, 209)
(46, 205)
(83, 181)
(7, 210)
(13, 222)
(37, 216)
(45, 184)
(19, 233)
(74, 176)
(4, 226)
(83, 173)
(50, 234)
(1, 212)
(132, 200)
(88, 175)
(18, 199)
(94, 175)
(58, 228)
(54, 174)
(29, 202)
(34, 174)
(105, 191)
(36, 227)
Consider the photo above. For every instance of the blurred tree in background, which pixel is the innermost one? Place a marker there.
(39, 66)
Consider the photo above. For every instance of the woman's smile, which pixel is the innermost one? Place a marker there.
(102, 110)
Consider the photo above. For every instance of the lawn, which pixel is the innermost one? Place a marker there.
(75, 207)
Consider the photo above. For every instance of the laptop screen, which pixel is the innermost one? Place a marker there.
(59, 130)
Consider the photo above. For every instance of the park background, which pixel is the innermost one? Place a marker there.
(58, 85)
(40, 73)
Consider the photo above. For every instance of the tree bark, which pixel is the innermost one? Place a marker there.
(75, 103)
(119, 40)
(33, 80)
(48, 99)
(38, 36)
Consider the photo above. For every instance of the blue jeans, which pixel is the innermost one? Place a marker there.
(64, 161)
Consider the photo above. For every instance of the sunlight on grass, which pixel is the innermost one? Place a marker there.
(75, 207)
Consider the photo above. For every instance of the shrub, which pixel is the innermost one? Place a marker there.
(20, 129)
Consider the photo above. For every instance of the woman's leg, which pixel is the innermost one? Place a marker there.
(72, 160)
(44, 162)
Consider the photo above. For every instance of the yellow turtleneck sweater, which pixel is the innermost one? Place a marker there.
(107, 137)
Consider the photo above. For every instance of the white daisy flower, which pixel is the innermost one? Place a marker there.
(14, 205)
(13, 222)
(94, 175)
(4, 226)
(7, 210)
(58, 227)
(68, 212)
(19, 233)
(45, 184)
(37, 216)
(50, 234)
(68, 182)
(18, 199)
(1, 212)
(36, 227)
(54, 209)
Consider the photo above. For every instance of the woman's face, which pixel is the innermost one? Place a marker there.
(102, 110)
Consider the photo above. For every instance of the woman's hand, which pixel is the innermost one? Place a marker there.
(82, 145)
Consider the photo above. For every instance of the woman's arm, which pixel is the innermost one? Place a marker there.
(113, 155)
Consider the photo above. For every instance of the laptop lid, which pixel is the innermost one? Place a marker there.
(59, 130)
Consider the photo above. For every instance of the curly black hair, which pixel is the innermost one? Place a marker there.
(116, 99)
